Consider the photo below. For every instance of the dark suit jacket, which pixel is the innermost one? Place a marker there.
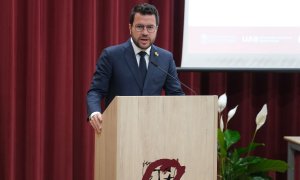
(117, 74)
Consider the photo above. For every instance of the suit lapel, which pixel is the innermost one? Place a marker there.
(132, 64)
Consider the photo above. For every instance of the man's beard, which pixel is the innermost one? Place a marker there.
(138, 45)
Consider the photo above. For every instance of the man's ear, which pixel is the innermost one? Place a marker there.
(129, 28)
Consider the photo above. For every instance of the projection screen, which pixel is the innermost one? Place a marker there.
(241, 34)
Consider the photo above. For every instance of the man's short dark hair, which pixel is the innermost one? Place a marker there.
(144, 9)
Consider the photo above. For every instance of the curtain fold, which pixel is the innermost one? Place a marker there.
(48, 52)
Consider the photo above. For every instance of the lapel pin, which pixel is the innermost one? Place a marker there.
(156, 54)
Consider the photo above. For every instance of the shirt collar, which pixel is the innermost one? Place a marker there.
(137, 49)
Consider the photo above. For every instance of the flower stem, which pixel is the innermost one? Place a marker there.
(250, 147)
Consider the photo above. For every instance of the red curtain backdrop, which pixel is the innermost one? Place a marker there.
(48, 51)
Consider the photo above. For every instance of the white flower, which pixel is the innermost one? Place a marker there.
(221, 124)
(261, 117)
(231, 113)
(222, 101)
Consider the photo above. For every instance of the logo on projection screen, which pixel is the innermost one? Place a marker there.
(169, 169)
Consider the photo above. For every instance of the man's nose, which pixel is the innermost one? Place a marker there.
(145, 30)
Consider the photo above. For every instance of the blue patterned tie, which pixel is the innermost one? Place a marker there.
(142, 66)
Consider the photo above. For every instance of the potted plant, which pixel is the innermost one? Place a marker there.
(237, 163)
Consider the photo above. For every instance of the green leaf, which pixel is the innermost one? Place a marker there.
(266, 165)
(231, 137)
(238, 171)
(240, 167)
(235, 156)
(249, 148)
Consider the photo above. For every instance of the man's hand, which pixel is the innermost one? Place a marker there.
(96, 122)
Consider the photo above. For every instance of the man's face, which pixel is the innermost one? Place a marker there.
(141, 36)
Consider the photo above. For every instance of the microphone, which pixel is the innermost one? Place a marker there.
(156, 65)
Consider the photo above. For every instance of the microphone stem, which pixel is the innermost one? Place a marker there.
(186, 86)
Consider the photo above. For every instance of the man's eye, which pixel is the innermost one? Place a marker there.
(150, 27)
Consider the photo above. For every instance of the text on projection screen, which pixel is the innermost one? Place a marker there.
(241, 34)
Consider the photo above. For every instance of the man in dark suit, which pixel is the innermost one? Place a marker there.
(134, 68)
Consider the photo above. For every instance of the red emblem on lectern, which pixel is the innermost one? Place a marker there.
(168, 169)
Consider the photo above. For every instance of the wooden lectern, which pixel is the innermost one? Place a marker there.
(161, 136)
